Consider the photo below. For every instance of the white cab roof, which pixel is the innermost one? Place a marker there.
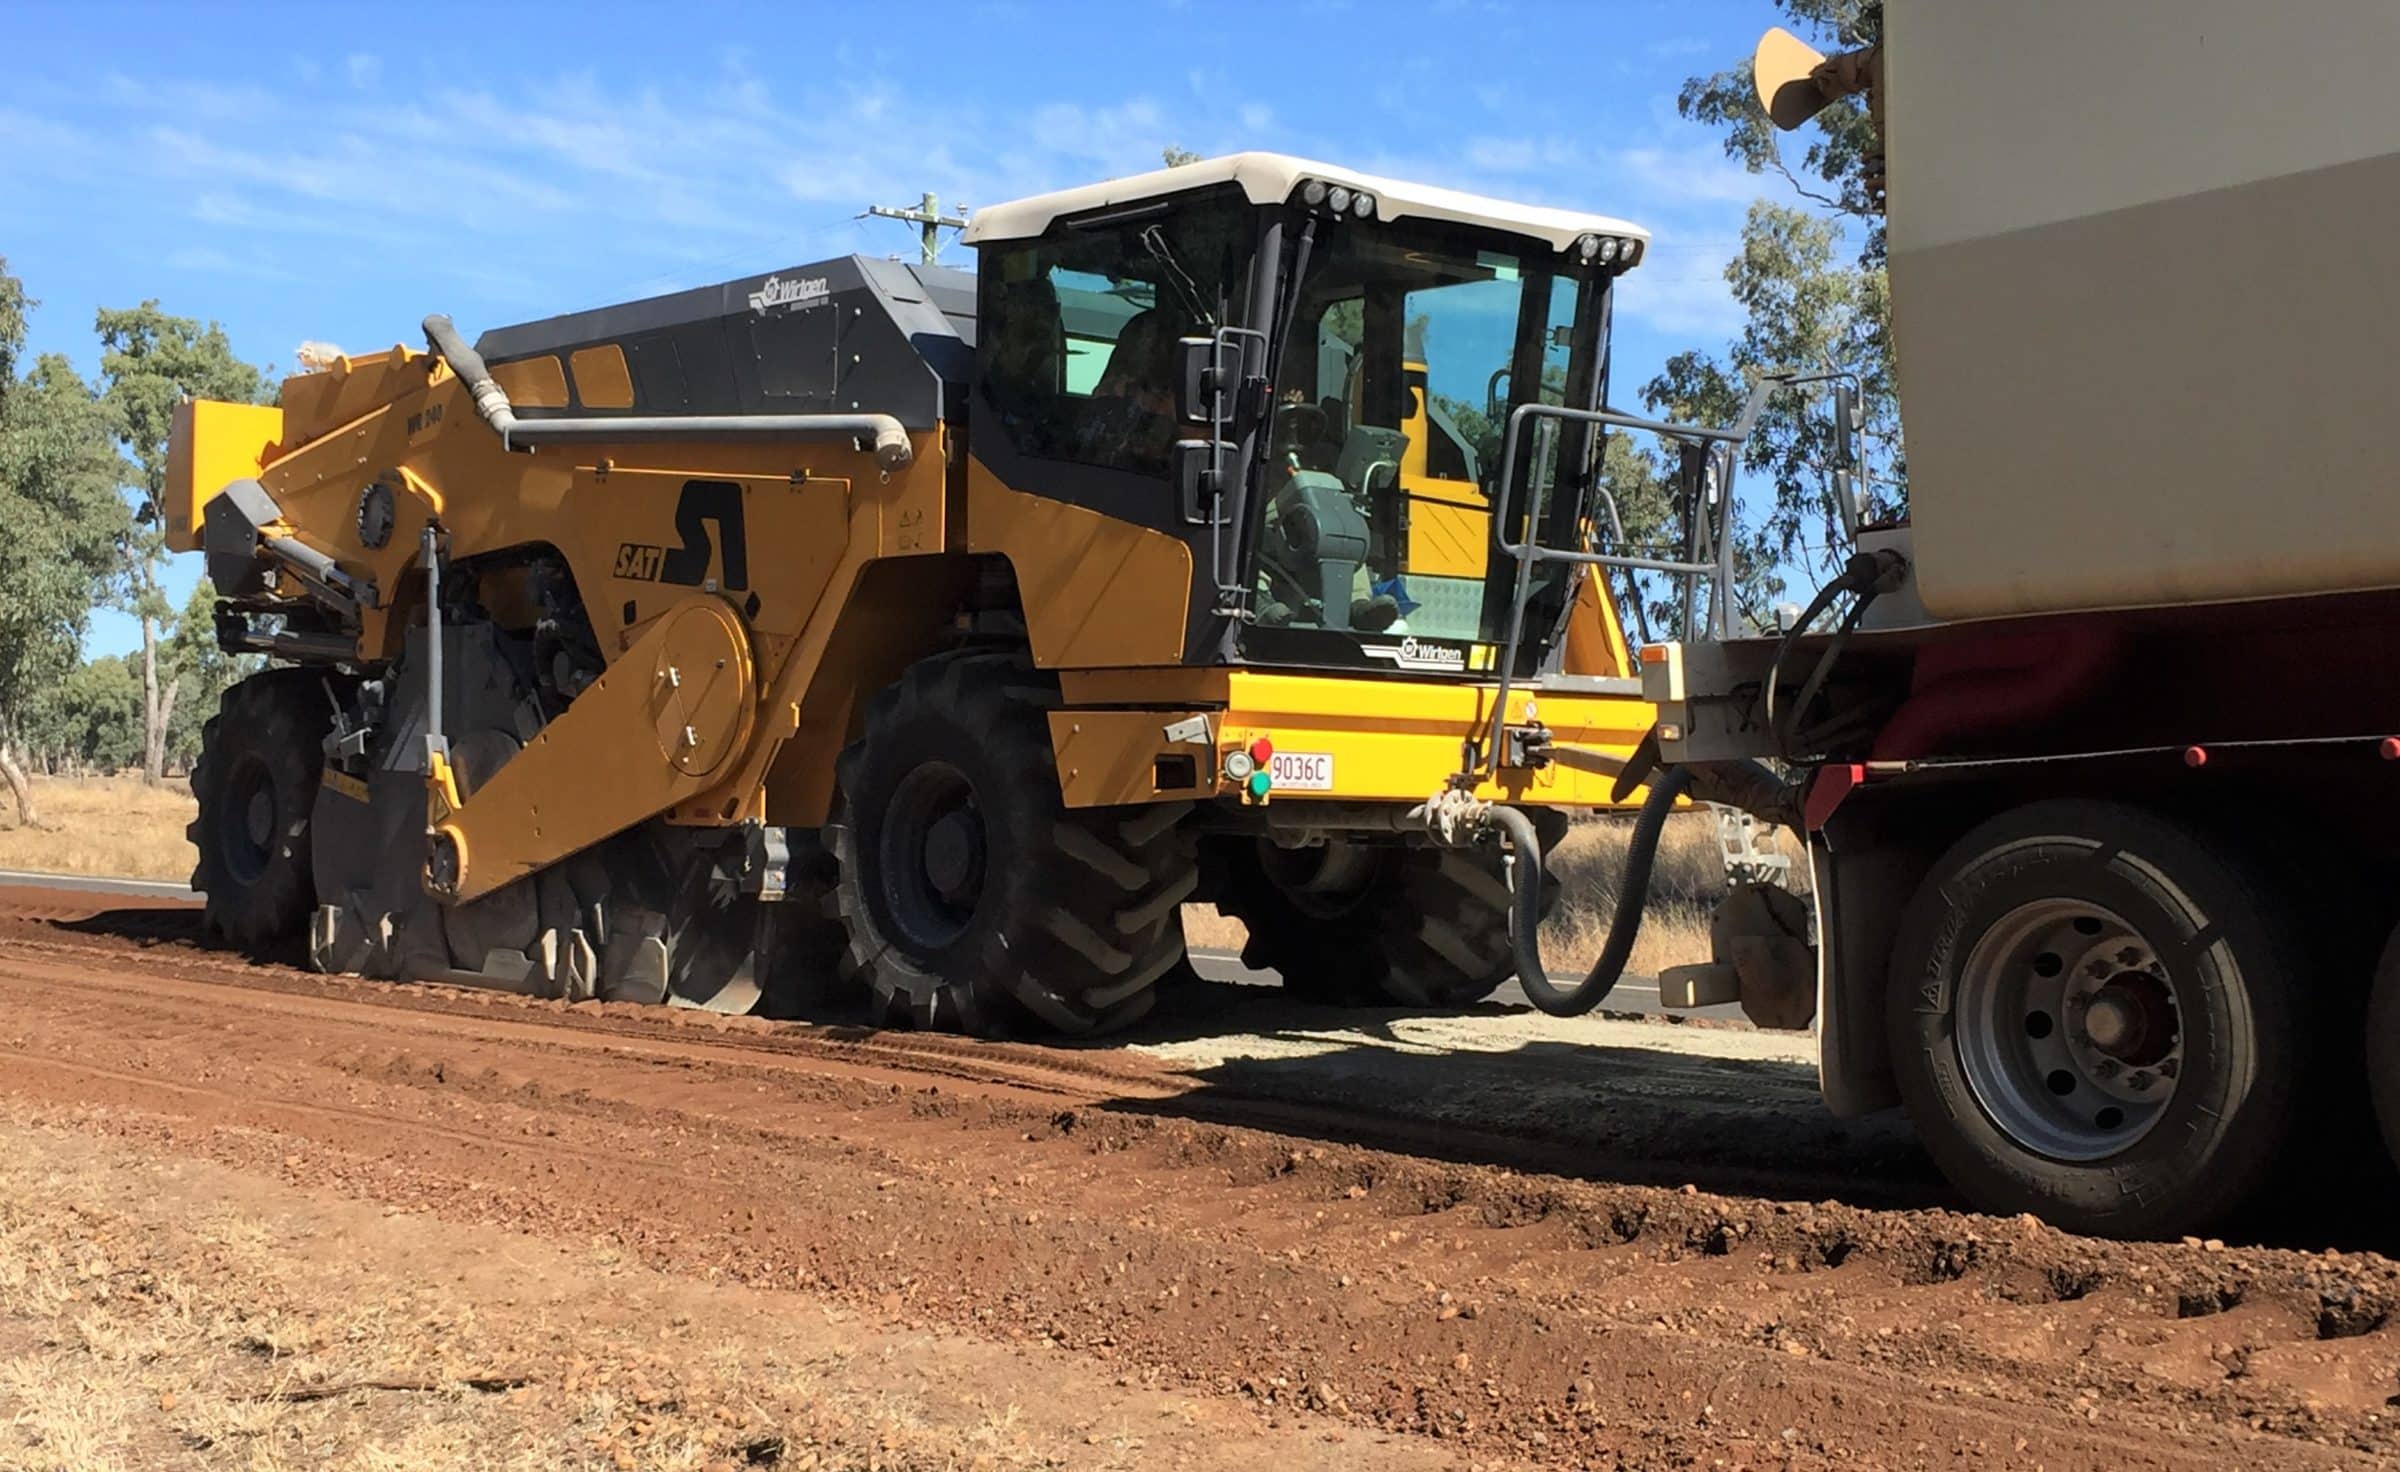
(1271, 177)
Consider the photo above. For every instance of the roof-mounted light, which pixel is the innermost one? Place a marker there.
(1313, 193)
(1338, 199)
(1607, 250)
(1364, 205)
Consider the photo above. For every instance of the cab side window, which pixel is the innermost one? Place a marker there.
(1079, 331)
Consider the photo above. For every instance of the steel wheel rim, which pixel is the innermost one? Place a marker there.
(2068, 1030)
(931, 851)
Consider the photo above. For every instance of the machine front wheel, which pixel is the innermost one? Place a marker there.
(2092, 1018)
(256, 788)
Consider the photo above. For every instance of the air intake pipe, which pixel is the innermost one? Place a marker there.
(890, 438)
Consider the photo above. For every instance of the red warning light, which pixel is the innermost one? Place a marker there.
(1262, 751)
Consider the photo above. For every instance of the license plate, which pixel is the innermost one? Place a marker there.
(1302, 771)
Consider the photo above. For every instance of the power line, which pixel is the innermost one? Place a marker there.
(929, 219)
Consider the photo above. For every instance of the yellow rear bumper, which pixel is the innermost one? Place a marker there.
(1334, 738)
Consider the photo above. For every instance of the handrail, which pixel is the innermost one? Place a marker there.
(1720, 444)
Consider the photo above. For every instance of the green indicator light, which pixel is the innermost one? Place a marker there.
(1260, 782)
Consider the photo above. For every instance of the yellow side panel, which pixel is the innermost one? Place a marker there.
(209, 444)
(533, 383)
(1098, 591)
(1449, 521)
(1595, 643)
(648, 734)
(314, 403)
(1449, 530)
(1107, 757)
(601, 378)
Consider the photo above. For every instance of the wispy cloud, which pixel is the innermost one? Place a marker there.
(688, 179)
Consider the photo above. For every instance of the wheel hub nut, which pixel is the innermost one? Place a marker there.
(2108, 1022)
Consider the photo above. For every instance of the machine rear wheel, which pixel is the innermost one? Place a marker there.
(2093, 1020)
(1312, 915)
(1360, 925)
(261, 756)
(975, 900)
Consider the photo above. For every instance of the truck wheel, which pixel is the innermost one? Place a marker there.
(974, 899)
(2383, 1045)
(1360, 925)
(256, 782)
(2093, 1020)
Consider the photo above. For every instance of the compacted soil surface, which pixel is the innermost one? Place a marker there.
(251, 1217)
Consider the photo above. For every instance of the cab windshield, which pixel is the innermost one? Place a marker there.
(1406, 350)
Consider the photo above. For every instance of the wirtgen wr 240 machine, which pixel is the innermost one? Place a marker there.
(942, 634)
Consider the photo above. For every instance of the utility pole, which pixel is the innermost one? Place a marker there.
(929, 218)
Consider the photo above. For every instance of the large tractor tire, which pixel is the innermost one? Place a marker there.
(256, 781)
(1359, 925)
(2383, 1045)
(975, 900)
(2094, 1017)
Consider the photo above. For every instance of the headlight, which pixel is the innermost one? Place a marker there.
(1339, 198)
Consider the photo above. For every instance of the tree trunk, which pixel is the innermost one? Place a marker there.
(154, 722)
(166, 719)
(18, 786)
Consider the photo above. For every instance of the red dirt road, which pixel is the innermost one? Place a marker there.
(1169, 1235)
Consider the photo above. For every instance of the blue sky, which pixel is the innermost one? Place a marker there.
(334, 173)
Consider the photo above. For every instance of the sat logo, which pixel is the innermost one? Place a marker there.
(704, 503)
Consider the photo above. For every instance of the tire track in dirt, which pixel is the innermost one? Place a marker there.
(1561, 1320)
(164, 935)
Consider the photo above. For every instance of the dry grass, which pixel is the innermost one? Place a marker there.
(120, 826)
(1686, 882)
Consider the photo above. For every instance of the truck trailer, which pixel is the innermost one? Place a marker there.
(2095, 749)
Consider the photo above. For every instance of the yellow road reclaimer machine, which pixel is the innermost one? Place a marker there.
(1232, 533)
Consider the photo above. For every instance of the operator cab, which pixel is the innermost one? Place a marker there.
(1305, 374)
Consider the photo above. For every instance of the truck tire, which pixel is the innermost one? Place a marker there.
(1419, 927)
(2383, 1045)
(975, 900)
(2093, 1019)
(261, 756)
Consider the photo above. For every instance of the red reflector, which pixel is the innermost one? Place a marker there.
(1826, 790)
(2195, 756)
(2390, 748)
(1262, 751)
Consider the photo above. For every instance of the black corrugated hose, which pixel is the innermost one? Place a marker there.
(1625, 924)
